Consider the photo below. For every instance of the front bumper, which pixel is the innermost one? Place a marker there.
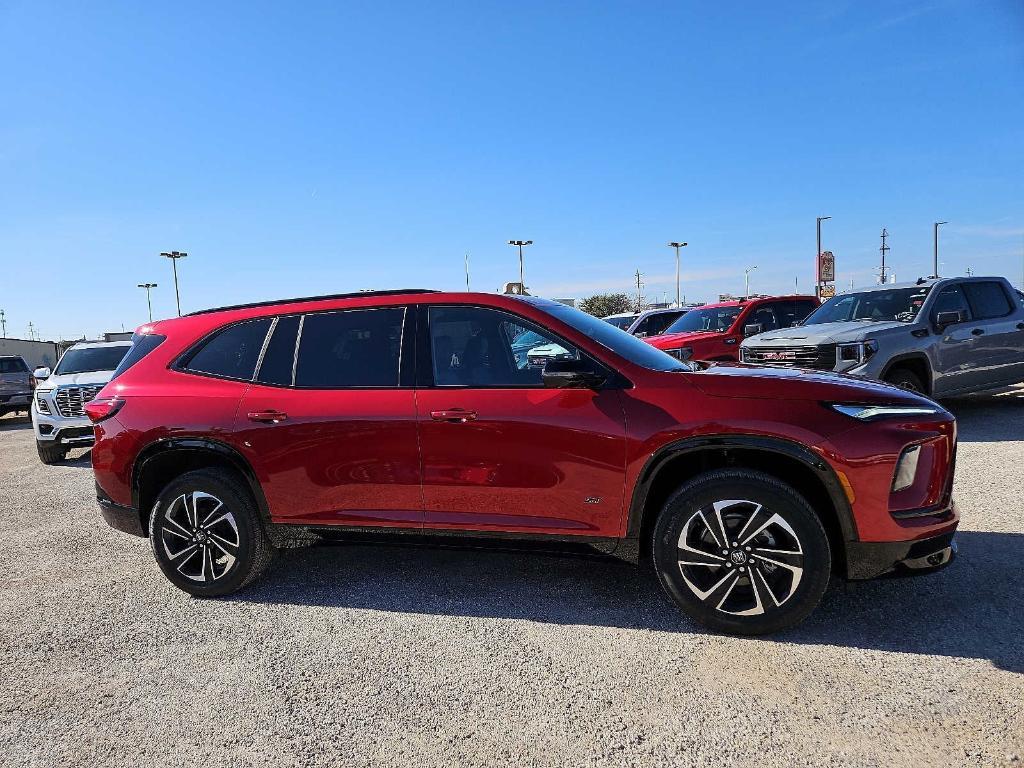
(870, 559)
(71, 432)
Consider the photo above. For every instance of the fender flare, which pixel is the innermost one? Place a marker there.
(917, 357)
(198, 445)
(788, 448)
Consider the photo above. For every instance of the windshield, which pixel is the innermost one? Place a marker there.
(708, 320)
(613, 338)
(901, 304)
(87, 359)
(620, 322)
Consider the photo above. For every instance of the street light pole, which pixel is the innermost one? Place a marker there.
(677, 246)
(174, 256)
(746, 281)
(520, 244)
(817, 257)
(149, 304)
(3, 324)
(467, 272)
(935, 251)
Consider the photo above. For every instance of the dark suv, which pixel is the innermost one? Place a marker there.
(224, 431)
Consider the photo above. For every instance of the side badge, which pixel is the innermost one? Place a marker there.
(592, 500)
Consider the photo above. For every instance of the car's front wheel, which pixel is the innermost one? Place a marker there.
(207, 535)
(741, 552)
(50, 452)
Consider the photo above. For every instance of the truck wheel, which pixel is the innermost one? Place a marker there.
(741, 552)
(905, 379)
(207, 536)
(50, 453)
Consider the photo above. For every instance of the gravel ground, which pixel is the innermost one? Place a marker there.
(386, 655)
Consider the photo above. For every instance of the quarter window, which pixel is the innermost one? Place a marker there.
(476, 347)
(233, 352)
(988, 300)
(353, 348)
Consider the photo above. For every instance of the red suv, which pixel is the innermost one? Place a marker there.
(748, 487)
(714, 331)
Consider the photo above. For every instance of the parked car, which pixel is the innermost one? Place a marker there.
(58, 418)
(940, 337)
(650, 322)
(15, 385)
(713, 331)
(748, 487)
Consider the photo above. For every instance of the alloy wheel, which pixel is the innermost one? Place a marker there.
(200, 537)
(740, 558)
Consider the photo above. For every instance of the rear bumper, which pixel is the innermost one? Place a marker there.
(870, 559)
(118, 516)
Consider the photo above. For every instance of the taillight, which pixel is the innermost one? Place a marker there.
(102, 408)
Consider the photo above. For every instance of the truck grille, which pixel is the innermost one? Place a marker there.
(821, 357)
(70, 400)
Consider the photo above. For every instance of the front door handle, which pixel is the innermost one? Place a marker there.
(267, 417)
(977, 332)
(454, 415)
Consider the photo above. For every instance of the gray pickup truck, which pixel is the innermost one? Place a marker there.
(15, 385)
(941, 337)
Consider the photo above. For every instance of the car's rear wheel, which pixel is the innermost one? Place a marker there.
(901, 377)
(50, 453)
(741, 552)
(207, 536)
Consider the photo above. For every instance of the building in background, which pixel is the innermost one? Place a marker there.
(35, 353)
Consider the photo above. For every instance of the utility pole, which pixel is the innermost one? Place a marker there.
(520, 244)
(817, 257)
(969, 272)
(884, 249)
(746, 281)
(639, 293)
(467, 272)
(677, 246)
(935, 252)
(149, 304)
(3, 324)
(31, 331)
(174, 256)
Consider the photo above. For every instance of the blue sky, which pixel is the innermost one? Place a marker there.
(302, 148)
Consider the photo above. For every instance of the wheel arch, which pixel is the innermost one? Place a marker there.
(915, 362)
(162, 461)
(790, 462)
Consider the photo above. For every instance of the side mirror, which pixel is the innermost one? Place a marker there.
(571, 374)
(41, 373)
(752, 329)
(944, 319)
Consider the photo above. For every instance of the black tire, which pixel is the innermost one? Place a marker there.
(906, 379)
(50, 453)
(705, 586)
(203, 549)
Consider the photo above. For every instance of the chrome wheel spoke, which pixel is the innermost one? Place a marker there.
(199, 496)
(200, 537)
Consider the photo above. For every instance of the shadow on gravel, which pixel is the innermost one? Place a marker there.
(9, 423)
(989, 418)
(969, 610)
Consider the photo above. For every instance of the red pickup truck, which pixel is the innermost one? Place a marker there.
(714, 331)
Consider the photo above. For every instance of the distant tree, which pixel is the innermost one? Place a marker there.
(604, 304)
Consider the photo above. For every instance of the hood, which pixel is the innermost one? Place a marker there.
(73, 379)
(755, 381)
(823, 333)
(676, 340)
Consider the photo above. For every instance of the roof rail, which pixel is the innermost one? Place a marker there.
(327, 297)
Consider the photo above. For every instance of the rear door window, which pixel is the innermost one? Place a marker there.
(278, 366)
(351, 348)
(232, 353)
(988, 300)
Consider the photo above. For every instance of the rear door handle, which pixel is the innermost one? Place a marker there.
(977, 332)
(454, 415)
(267, 417)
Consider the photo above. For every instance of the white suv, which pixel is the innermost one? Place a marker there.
(58, 418)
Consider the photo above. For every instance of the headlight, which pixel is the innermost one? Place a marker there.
(873, 412)
(41, 405)
(857, 352)
(682, 353)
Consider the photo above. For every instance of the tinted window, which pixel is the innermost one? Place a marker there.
(141, 346)
(233, 352)
(790, 313)
(951, 299)
(655, 325)
(475, 347)
(709, 319)
(88, 359)
(987, 300)
(356, 348)
(900, 304)
(279, 359)
(13, 365)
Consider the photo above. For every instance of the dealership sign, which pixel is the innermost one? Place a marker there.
(826, 267)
